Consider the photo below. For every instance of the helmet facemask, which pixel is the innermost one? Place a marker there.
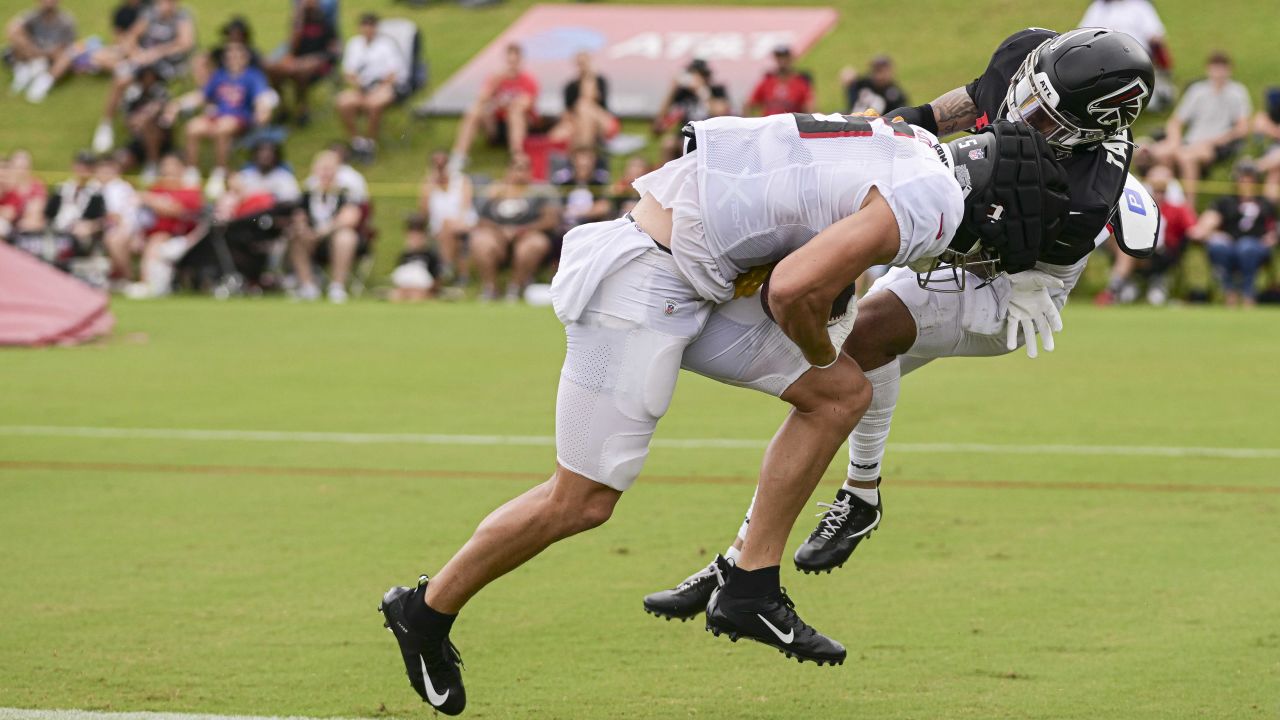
(1032, 99)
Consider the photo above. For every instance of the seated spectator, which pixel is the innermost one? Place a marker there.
(1176, 220)
(70, 221)
(516, 219)
(1267, 124)
(414, 277)
(150, 130)
(1240, 230)
(1139, 20)
(376, 77)
(782, 90)
(311, 53)
(327, 215)
(121, 231)
(231, 106)
(235, 31)
(586, 120)
(172, 208)
(447, 212)
(584, 187)
(43, 43)
(623, 193)
(267, 174)
(1208, 125)
(94, 55)
(23, 198)
(877, 91)
(695, 95)
(162, 38)
(504, 110)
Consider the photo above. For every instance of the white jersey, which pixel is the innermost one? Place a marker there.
(757, 189)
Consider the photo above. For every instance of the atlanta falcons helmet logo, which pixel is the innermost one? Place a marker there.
(1119, 109)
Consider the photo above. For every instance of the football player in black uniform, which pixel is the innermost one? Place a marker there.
(1082, 90)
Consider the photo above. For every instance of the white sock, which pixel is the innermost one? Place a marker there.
(866, 444)
(732, 553)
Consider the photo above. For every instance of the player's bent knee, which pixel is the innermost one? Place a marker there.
(884, 329)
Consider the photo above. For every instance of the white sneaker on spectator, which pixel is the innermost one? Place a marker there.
(513, 295)
(337, 294)
(104, 138)
(23, 74)
(307, 293)
(1157, 295)
(217, 184)
(137, 291)
(39, 88)
(488, 293)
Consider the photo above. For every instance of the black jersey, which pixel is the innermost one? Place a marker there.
(1095, 176)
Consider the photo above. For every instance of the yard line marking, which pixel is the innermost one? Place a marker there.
(352, 438)
(20, 714)
(348, 473)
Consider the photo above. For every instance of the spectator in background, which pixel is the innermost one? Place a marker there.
(783, 90)
(68, 224)
(43, 46)
(516, 221)
(267, 173)
(1138, 19)
(162, 38)
(414, 277)
(447, 212)
(1240, 230)
(93, 55)
(1208, 125)
(1176, 220)
(151, 133)
(311, 53)
(586, 120)
(1267, 124)
(326, 225)
(694, 95)
(24, 193)
(622, 192)
(232, 103)
(173, 206)
(375, 76)
(121, 233)
(584, 187)
(235, 31)
(504, 110)
(878, 91)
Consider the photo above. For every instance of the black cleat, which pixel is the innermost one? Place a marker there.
(690, 597)
(771, 620)
(845, 523)
(433, 668)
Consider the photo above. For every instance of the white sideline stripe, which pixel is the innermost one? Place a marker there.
(19, 714)
(280, 436)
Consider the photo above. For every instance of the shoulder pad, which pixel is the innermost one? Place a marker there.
(1136, 223)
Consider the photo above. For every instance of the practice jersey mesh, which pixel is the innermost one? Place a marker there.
(757, 189)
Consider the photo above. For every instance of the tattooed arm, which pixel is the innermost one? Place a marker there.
(954, 111)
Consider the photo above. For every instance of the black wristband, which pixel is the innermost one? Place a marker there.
(920, 116)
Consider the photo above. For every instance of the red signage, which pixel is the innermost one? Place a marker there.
(640, 49)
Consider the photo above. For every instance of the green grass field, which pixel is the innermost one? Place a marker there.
(240, 573)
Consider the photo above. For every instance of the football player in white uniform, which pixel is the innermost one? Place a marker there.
(1082, 90)
(822, 198)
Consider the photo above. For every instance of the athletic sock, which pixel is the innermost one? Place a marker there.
(732, 555)
(746, 522)
(866, 444)
(426, 620)
(752, 583)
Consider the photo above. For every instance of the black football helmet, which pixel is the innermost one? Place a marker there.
(1015, 201)
(1081, 87)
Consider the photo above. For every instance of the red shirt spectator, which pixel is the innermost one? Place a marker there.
(21, 189)
(190, 201)
(509, 87)
(784, 90)
(1177, 220)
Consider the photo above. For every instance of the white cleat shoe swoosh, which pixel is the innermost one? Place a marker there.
(437, 699)
(786, 639)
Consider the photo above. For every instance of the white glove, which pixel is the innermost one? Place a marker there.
(1032, 309)
(838, 328)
